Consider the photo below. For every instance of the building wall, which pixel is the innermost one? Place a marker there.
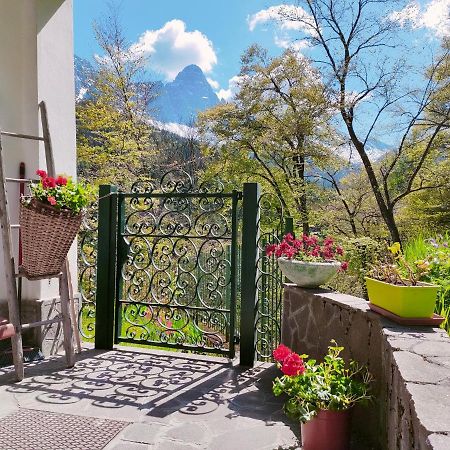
(36, 63)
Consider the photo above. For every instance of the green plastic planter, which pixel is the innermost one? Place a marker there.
(404, 301)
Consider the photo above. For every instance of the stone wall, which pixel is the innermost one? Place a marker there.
(411, 366)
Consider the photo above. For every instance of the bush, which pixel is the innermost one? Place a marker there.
(360, 254)
(433, 255)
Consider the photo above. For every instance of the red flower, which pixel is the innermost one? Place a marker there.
(51, 200)
(339, 251)
(281, 353)
(270, 249)
(41, 173)
(293, 365)
(344, 266)
(328, 241)
(61, 181)
(48, 182)
(328, 253)
(298, 244)
(289, 237)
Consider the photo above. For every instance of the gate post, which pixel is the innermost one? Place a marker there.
(249, 258)
(106, 267)
(288, 225)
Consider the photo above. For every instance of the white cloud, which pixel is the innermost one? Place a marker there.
(233, 88)
(296, 45)
(171, 48)
(176, 128)
(289, 17)
(213, 83)
(434, 16)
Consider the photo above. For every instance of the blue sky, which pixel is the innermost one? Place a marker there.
(214, 33)
(222, 22)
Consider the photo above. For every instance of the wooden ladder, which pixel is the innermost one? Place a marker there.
(13, 327)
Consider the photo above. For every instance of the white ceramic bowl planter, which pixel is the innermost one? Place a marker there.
(308, 274)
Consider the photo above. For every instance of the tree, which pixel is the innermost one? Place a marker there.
(273, 130)
(355, 39)
(348, 209)
(113, 125)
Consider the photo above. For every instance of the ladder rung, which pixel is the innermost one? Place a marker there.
(45, 277)
(20, 180)
(15, 225)
(22, 136)
(27, 326)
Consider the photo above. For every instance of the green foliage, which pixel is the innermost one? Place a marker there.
(428, 211)
(360, 253)
(394, 268)
(433, 257)
(70, 195)
(330, 385)
(108, 151)
(273, 132)
(113, 130)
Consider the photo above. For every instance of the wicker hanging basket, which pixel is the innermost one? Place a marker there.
(47, 234)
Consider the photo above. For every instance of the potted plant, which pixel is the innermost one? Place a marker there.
(395, 285)
(49, 221)
(308, 262)
(321, 395)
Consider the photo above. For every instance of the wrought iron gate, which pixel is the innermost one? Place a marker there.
(175, 275)
(272, 225)
(166, 267)
(262, 293)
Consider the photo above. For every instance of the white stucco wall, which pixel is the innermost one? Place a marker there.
(36, 63)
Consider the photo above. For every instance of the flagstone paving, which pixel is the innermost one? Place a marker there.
(164, 400)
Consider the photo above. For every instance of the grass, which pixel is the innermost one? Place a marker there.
(161, 329)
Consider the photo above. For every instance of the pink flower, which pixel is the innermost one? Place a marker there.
(344, 266)
(48, 182)
(298, 244)
(327, 253)
(281, 353)
(328, 241)
(293, 365)
(41, 173)
(61, 181)
(270, 249)
(339, 250)
(289, 237)
(51, 200)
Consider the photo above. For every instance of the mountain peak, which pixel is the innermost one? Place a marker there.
(182, 99)
(178, 101)
(190, 73)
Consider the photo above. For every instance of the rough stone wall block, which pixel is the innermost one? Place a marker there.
(411, 366)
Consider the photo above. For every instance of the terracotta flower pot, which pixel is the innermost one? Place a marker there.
(329, 430)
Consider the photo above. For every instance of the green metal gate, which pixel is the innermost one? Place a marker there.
(262, 293)
(173, 278)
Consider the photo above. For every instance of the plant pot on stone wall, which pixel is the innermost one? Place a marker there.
(328, 430)
(404, 301)
(309, 274)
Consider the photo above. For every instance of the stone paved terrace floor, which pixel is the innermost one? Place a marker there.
(143, 400)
